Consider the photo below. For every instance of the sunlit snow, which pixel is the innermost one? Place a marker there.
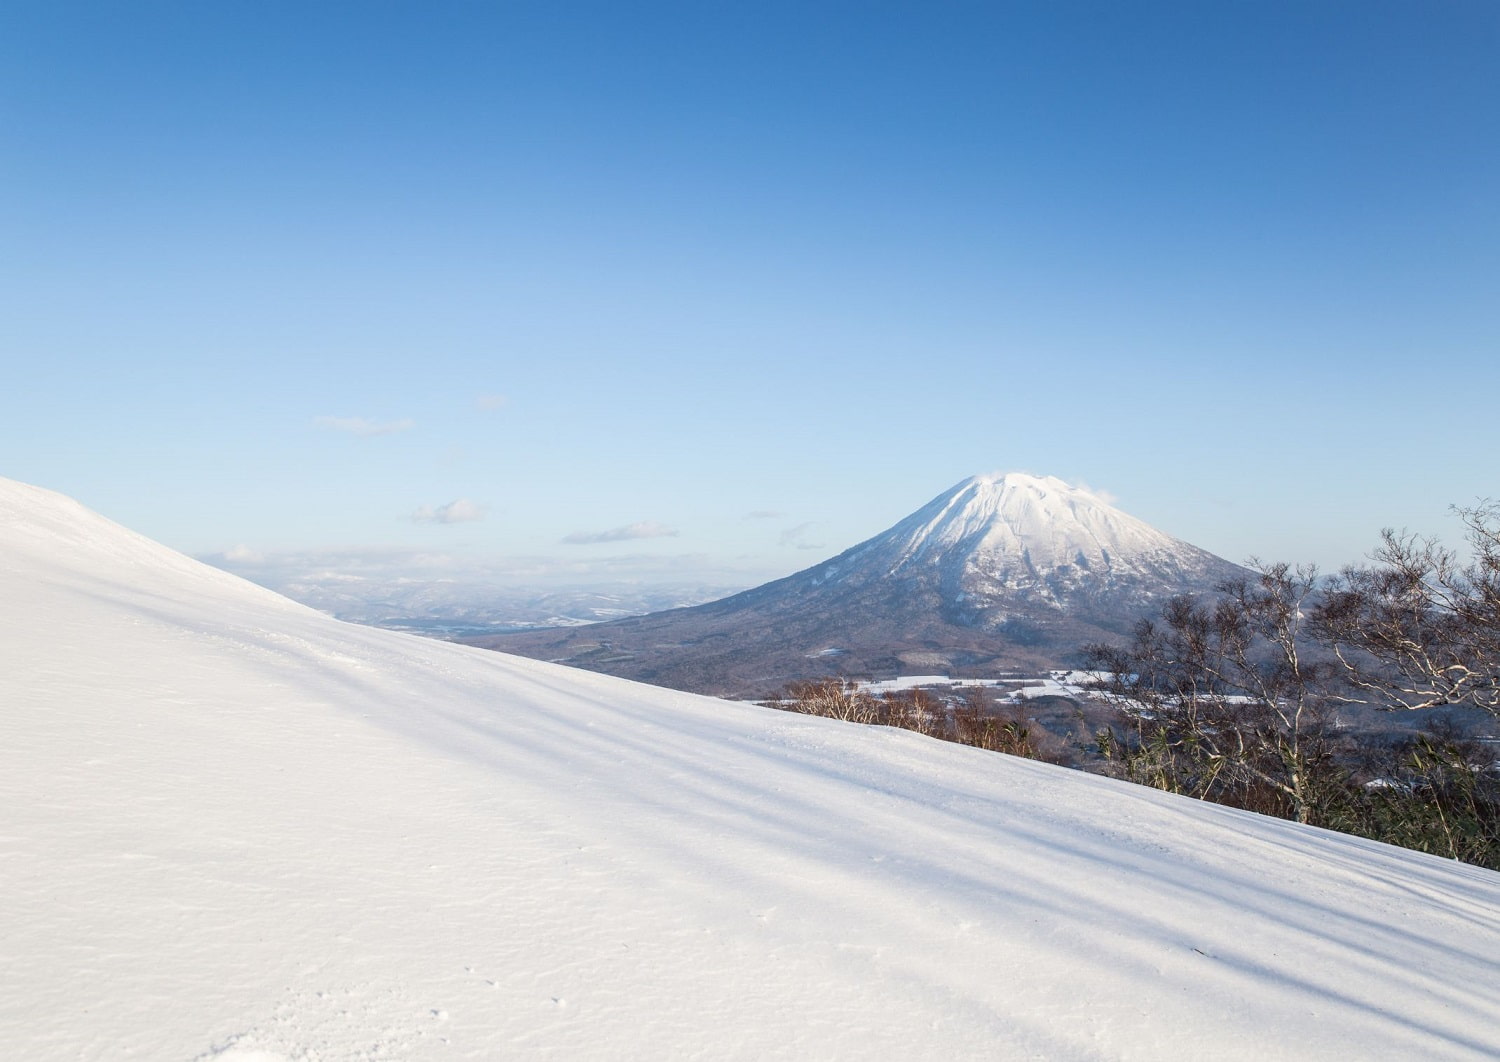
(232, 828)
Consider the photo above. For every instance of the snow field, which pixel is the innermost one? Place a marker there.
(234, 829)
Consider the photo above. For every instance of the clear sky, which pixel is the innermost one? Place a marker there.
(738, 285)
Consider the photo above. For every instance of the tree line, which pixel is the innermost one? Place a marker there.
(1244, 698)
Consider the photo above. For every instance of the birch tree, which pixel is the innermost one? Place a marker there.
(1225, 703)
(1420, 627)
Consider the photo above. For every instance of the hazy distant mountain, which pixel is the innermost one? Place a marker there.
(1000, 571)
(439, 593)
(438, 606)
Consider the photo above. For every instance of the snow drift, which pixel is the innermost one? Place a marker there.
(232, 828)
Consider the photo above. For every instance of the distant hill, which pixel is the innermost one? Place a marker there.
(1001, 571)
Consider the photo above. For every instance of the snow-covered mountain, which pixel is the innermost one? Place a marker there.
(232, 828)
(999, 571)
(997, 543)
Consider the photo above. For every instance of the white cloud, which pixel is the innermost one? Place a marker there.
(764, 514)
(490, 403)
(1107, 497)
(365, 428)
(243, 554)
(458, 511)
(644, 529)
(797, 537)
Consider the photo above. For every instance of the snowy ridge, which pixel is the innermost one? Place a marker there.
(232, 828)
(42, 531)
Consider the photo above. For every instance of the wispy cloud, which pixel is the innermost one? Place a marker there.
(458, 511)
(799, 537)
(764, 514)
(490, 403)
(1107, 497)
(644, 529)
(364, 427)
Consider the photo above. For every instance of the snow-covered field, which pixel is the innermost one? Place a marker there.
(1053, 684)
(232, 828)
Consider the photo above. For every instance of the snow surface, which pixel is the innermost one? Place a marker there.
(998, 518)
(993, 535)
(903, 683)
(232, 828)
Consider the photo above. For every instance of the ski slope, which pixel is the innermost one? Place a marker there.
(232, 828)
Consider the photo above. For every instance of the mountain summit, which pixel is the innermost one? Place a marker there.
(998, 571)
(996, 519)
(1017, 539)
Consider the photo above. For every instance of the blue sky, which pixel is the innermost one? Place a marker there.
(614, 277)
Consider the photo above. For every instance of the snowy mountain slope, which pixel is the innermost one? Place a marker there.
(999, 571)
(231, 828)
(1020, 534)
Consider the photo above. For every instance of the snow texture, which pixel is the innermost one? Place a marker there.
(234, 829)
(1005, 532)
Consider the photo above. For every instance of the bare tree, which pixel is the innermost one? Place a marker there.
(1002, 726)
(1421, 628)
(1225, 702)
(913, 710)
(833, 699)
